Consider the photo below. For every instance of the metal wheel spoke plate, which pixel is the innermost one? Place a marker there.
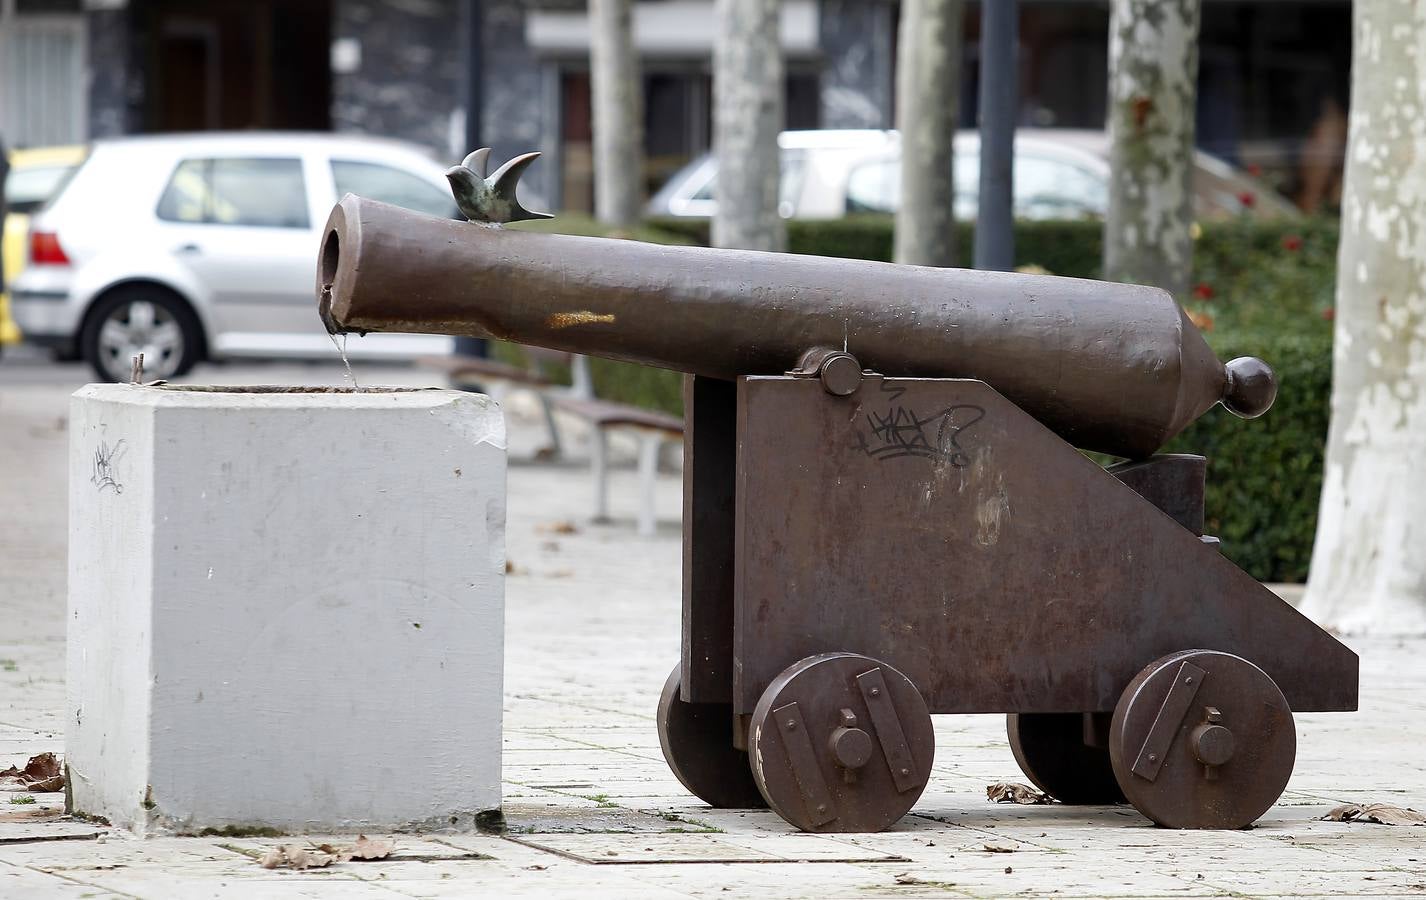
(1202, 739)
(841, 743)
(697, 742)
(1052, 751)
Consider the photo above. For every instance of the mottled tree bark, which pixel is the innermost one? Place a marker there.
(618, 112)
(927, 91)
(1369, 562)
(747, 117)
(1153, 70)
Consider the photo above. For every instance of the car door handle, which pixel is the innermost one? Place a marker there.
(188, 249)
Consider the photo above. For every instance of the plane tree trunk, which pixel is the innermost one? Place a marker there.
(1153, 72)
(747, 117)
(927, 110)
(618, 113)
(1369, 561)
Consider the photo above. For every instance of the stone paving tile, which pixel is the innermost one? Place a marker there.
(621, 849)
(22, 882)
(54, 829)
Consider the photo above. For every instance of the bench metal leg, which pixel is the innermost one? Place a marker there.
(547, 406)
(599, 460)
(581, 379)
(648, 480)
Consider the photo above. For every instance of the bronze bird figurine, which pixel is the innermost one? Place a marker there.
(492, 199)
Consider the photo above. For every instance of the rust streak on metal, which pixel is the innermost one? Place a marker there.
(579, 317)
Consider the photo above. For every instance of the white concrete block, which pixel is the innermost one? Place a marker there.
(285, 609)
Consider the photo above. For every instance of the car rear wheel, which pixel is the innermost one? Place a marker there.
(147, 320)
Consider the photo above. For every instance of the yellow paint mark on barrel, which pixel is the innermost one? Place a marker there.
(578, 317)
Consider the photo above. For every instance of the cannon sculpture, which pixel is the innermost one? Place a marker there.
(886, 516)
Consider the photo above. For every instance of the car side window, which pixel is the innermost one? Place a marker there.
(1048, 188)
(874, 187)
(390, 185)
(789, 186)
(262, 193)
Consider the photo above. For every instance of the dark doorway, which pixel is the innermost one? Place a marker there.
(238, 64)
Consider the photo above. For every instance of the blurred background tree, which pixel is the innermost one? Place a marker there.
(927, 112)
(618, 116)
(1369, 562)
(1153, 74)
(747, 118)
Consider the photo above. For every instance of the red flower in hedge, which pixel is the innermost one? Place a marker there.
(1291, 243)
(1329, 313)
(1248, 199)
(1203, 291)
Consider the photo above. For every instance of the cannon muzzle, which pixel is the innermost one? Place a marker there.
(1117, 368)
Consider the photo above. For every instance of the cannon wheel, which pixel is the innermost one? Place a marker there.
(1051, 751)
(841, 743)
(1202, 739)
(697, 742)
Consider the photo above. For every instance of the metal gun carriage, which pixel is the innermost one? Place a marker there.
(886, 516)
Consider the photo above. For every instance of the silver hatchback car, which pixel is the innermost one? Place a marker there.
(1060, 173)
(186, 247)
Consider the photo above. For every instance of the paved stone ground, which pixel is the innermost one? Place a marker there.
(592, 809)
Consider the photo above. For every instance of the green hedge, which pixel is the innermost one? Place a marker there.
(1265, 475)
(1262, 289)
(1226, 254)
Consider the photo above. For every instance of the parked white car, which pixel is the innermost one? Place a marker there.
(204, 246)
(1060, 173)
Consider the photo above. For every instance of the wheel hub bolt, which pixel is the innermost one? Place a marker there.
(849, 745)
(1212, 743)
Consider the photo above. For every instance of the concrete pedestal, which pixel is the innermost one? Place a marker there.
(285, 608)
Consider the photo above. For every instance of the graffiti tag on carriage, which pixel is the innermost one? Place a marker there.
(902, 431)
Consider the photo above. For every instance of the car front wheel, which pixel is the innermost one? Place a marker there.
(130, 321)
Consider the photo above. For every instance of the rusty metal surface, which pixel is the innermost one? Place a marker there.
(1202, 739)
(1052, 752)
(1174, 482)
(709, 470)
(936, 526)
(841, 743)
(1112, 367)
(697, 742)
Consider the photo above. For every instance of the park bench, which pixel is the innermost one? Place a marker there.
(650, 428)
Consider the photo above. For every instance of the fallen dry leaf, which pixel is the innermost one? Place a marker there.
(324, 855)
(366, 848)
(996, 848)
(561, 527)
(49, 785)
(285, 857)
(41, 774)
(1013, 792)
(1376, 814)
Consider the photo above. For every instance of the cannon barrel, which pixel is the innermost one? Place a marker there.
(1117, 368)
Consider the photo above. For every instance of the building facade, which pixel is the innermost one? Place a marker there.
(514, 74)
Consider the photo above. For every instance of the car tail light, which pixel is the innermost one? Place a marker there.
(45, 249)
